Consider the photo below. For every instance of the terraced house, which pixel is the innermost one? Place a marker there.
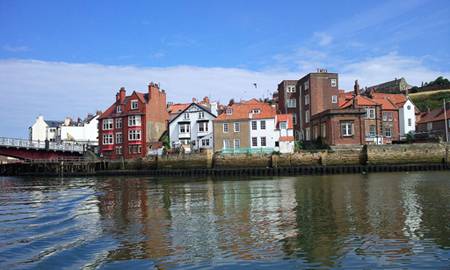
(129, 127)
(253, 126)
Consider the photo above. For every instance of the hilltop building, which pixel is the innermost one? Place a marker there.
(395, 86)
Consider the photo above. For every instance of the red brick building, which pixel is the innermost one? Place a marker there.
(130, 126)
(287, 101)
(432, 123)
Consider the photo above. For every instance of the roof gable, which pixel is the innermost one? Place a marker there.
(190, 106)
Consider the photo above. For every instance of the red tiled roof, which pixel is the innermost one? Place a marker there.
(385, 103)
(285, 118)
(177, 107)
(286, 138)
(434, 115)
(344, 97)
(360, 101)
(395, 98)
(242, 110)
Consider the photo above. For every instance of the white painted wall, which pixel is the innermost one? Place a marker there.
(195, 135)
(86, 133)
(39, 129)
(405, 113)
(270, 133)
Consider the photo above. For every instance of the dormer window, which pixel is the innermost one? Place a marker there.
(118, 109)
(229, 111)
(134, 104)
(186, 116)
(256, 111)
(201, 115)
(283, 125)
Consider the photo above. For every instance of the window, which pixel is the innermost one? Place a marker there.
(408, 107)
(429, 126)
(347, 129)
(315, 132)
(372, 131)
(291, 89)
(283, 125)
(254, 125)
(306, 99)
(202, 126)
(256, 111)
(262, 124)
(254, 141)
(108, 139)
(323, 128)
(205, 142)
(237, 126)
(201, 115)
(388, 132)
(307, 134)
(291, 103)
(225, 127)
(119, 150)
(107, 124)
(333, 82)
(410, 122)
(370, 113)
(134, 104)
(334, 99)
(237, 143)
(186, 116)
(263, 141)
(226, 144)
(307, 116)
(134, 135)
(134, 149)
(134, 120)
(118, 109)
(119, 137)
(229, 111)
(294, 118)
(185, 128)
(387, 116)
(118, 122)
(306, 85)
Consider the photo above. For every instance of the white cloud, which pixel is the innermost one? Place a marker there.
(15, 49)
(322, 38)
(58, 89)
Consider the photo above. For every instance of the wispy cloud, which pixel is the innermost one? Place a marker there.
(58, 89)
(15, 49)
(323, 39)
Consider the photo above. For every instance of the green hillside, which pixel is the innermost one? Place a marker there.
(431, 99)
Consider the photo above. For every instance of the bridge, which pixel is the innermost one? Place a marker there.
(38, 150)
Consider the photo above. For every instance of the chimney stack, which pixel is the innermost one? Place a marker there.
(356, 88)
(120, 97)
(194, 100)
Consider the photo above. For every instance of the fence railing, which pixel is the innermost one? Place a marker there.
(264, 150)
(13, 142)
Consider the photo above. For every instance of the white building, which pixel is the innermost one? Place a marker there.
(192, 128)
(407, 118)
(285, 133)
(85, 132)
(80, 132)
(43, 130)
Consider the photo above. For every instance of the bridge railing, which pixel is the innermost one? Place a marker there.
(12, 142)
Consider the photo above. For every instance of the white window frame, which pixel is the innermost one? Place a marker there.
(370, 113)
(107, 124)
(323, 130)
(334, 99)
(205, 142)
(263, 140)
(225, 127)
(237, 143)
(254, 125)
(229, 111)
(306, 85)
(201, 115)
(374, 133)
(307, 116)
(202, 126)
(118, 123)
(226, 144)
(283, 125)
(307, 99)
(262, 124)
(118, 108)
(119, 137)
(333, 82)
(347, 127)
(184, 128)
(292, 103)
(134, 135)
(307, 134)
(385, 131)
(237, 127)
(108, 139)
(119, 150)
(134, 104)
(186, 116)
(134, 121)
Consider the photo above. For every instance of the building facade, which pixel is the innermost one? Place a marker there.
(432, 124)
(253, 126)
(132, 124)
(192, 128)
(43, 130)
(287, 101)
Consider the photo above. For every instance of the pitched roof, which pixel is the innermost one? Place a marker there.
(385, 103)
(397, 99)
(190, 105)
(360, 101)
(53, 123)
(177, 107)
(434, 115)
(285, 118)
(243, 109)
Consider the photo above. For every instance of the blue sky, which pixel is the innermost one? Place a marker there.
(68, 58)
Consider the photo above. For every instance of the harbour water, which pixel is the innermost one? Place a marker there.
(374, 221)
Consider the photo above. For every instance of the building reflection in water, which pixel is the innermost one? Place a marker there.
(327, 220)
